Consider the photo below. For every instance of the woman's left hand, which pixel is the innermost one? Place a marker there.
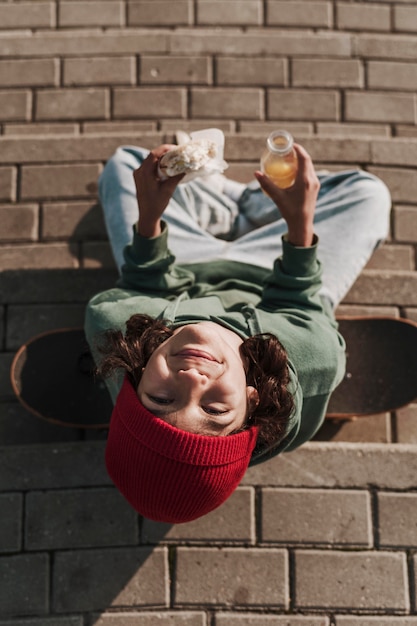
(152, 193)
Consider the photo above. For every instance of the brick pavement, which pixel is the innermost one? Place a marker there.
(324, 536)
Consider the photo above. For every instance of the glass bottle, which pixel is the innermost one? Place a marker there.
(279, 161)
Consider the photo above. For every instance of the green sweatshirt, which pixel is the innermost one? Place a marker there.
(246, 299)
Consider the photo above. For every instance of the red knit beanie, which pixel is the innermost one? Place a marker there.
(167, 474)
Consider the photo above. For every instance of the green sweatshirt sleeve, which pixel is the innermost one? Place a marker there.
(292, 309)
(150, 267)
(295, 280)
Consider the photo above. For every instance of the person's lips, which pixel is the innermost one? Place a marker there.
(199, 354)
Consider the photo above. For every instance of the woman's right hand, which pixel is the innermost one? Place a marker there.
(153, 194)
(297, 204)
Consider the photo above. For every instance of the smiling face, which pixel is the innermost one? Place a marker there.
(196, 381)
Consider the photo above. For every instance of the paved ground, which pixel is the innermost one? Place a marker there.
(324, 536)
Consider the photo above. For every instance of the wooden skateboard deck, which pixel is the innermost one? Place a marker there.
(381, 370)
(53, 377)
(53, 374)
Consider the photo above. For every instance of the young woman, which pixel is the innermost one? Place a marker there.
(219, 343)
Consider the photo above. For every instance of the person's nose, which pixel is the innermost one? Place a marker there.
(192, 376)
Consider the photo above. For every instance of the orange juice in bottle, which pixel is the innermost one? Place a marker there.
(279, 161)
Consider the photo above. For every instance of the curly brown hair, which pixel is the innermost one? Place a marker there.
(264, 357)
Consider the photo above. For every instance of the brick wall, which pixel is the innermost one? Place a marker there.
(324, 536)
(77, 78)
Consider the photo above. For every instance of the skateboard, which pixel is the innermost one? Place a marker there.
(381, 367)
(53, 374)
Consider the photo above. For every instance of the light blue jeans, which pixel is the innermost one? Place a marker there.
(215, 218)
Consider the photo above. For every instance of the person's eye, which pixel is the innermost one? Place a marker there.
(159, 400)
(212, 411)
